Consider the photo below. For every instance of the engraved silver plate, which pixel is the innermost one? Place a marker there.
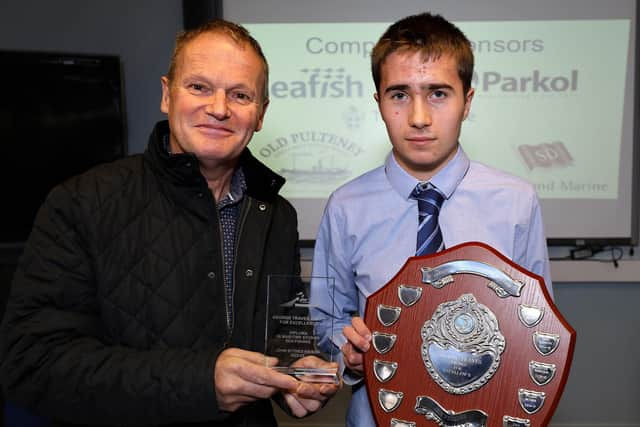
(531, 401)
(388, 315)
(541, 373)
(461, 345)
(383, 342)
(409, 295)
(401, 423)
(384, 371)
(545, 343)
(508, 421)
(389, 400)
(530, 316)
(432, 410)
(437, 276)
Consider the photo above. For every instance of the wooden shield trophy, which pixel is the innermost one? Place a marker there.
(465, 337)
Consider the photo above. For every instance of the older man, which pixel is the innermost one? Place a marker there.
(139, 299)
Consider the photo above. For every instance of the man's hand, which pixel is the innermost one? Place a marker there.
(359, 341)
(311, 396)
(241, 377)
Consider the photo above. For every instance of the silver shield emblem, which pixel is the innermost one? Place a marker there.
(541, 373)
(461, 345)
(530, 316)
(531, 401)
(389, 400)
(545, 343)
(382, 342)
(409, 295)
(384, 371)
(388, 315)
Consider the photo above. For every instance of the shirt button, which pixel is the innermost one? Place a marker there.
(188, 164)
(248, 272)
(200, 195)
(211, 275)
(262, 207)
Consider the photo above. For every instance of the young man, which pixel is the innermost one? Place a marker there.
(422, 68)
(139, 299)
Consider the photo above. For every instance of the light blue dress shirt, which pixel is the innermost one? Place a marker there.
(369, 229)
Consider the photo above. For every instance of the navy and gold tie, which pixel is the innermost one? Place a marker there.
(429, 202)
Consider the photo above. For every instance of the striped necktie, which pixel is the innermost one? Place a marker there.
(429, 202)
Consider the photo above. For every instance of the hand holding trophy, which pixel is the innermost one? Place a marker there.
(290, 332)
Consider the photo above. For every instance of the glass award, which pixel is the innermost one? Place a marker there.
(293, 325)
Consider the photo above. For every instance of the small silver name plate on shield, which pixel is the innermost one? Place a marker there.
(545, 343)
(541, 373)
(389, 400)
(531, 401)
(382, 342)
(384, 371)
(530, 316)
(409, 295)
(388, 315)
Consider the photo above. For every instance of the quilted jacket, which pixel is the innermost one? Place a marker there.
(117, 308)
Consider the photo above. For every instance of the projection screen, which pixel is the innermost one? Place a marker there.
(555, 101)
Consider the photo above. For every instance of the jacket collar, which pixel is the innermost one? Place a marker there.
(182, 169)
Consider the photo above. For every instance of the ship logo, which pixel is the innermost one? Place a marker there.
(320, 171)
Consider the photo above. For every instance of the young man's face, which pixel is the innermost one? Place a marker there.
(423, 105)
(215, 100)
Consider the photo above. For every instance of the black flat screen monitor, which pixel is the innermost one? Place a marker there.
(60, 114)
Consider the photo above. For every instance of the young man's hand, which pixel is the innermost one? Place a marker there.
(358, 336)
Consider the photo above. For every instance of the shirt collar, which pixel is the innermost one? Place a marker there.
(446, 180)
(237, 190)
(238, 184)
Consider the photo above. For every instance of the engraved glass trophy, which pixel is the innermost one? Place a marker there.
(293, 326)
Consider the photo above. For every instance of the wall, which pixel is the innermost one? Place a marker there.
(141, 32)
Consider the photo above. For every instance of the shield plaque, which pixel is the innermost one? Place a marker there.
(465, 337)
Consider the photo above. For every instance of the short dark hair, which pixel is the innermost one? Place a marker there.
(235, 32)
(432, 36)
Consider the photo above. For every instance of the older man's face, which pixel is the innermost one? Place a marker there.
(215, 100)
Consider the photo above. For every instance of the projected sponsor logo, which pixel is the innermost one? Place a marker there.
(353, 117)
(311, 156)
(320, 82)
(319, 46)
(536, 82)
(545, 155)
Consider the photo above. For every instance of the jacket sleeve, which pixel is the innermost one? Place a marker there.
(54, 360)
